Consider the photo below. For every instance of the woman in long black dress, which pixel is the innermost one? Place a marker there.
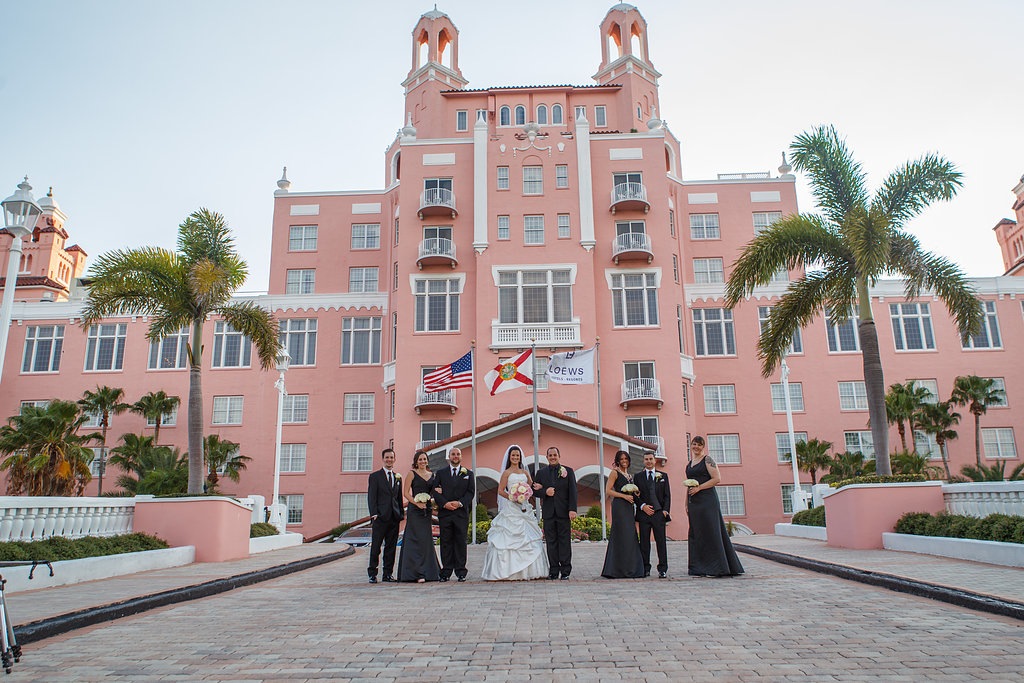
(418, 561)
(622, 559)
(710, 550)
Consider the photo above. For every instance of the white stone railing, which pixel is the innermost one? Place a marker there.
(34, 518)
(641, 388)
(437, 246)
(389, 375)
(980, 499)
(627, 192)
(521, 335)
(631, 241)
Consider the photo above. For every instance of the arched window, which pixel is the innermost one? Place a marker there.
(636, 42)
(520, 115)
(542, 115)
(556, 114)
(422, 49)
(505, 116)
(444, 54)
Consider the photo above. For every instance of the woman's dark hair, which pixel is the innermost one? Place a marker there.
(619, 454)
(698, 439)
(416, 458)
(510, 452)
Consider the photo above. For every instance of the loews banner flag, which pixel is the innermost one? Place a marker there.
(574, 367)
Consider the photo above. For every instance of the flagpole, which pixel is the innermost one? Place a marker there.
(536, 418)
(600, 437)
(472, 442)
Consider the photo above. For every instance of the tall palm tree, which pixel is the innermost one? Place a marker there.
(181, 289)
(902, 401)
(977, 393)
(813, 455)
(104, 402)
(222, 456)
(46, 456)
(939, 419)
(856, 240)
(153, 406)
(130, 456)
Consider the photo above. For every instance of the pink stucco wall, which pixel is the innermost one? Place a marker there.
(217, 527)
(858, 515)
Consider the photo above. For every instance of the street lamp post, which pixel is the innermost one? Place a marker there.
(20, 215)
(798, 499)
(278, 511)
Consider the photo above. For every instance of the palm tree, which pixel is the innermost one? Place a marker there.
(222, 457)
(153, 406)
(46, 456)
(938, 419)
(104, 402)
(130, 457)
(977, 393)
(847, 465)
(181, 289)
(902, 401)
(857, 240)
(148, 468)
(813, 455)
(907, 462)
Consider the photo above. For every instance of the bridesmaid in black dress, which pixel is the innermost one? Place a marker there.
(622, 559)
(710, 550)
(418, 561)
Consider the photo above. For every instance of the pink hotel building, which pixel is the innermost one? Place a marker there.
(510, 214)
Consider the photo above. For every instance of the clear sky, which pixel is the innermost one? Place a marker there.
(137, 113)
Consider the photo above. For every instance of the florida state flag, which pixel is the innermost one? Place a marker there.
(517, 372)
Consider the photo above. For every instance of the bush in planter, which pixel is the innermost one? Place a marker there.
(594, 512)
(995, 527)
(481, 532)
(590, 526)
(914, 523)
(879, 479)
(261, 529)
(811, 517)
(482, 515)
(59, 548)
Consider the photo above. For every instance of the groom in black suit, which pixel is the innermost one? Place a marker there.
(555, 486)
(454, 496)
(652, 513)
(384, 498)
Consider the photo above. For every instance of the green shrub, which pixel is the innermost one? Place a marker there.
(1018, 531)
(913, 523)
(339, 530)
(260, 529)
(588, 525)
(482, 515)
(594, 512)
(59, 548)
(995, 527)
(879, 479)
(481, 532)
(810, 517)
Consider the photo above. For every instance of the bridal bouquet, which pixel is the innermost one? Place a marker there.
(426, 500)
(631, 489)
(690, 483)
(519, 493)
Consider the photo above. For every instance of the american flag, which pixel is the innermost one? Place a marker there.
(452, 376)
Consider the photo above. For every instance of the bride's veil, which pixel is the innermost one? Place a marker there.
(504, 461)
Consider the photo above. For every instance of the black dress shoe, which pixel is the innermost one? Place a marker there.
(646, 574)
(564, 577)
(443, 579)
(662, 575)
(373, 579)
(462, 579)
(388, 579)
(552, 577)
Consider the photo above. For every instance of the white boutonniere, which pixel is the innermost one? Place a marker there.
(562, 473)
(658, 476)
(463, 471)
(398, 477)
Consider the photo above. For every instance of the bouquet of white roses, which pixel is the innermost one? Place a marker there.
(690, 483)
(426, 500)
(631, 490)
(519, 493)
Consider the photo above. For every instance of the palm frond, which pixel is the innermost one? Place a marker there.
(837, 181)
(133, 282)
(256, 323)
(911, 188)
(205, 235)
(867, 235)
(804, 299)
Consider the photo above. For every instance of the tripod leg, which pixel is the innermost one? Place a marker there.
(6, 634)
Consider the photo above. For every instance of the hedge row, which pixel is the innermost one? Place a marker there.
(811, 517)
(260, 529)
(60, 548)
(880, 479)
(996, 527)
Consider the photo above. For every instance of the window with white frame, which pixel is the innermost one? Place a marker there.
(360, 340)
(542, 115)
(672, 222)
(704, 226)
(724, 448)
(353, 506)
(97, 461)
(298, 335)
(787, 496)
(437, 304)
(781, 275)
(997, 443)
(462, 120)
(171, 352)
(504, 232)
(686, 398)
(300, 281)
(853, 396)
(394, 276)
(34, 404)
(713, 332)
(168, 419)
(293, 457)
(635, 299)
(502, 177)
(638, 370)
(363, 279)
(561, 176)
(931, 385)
(631, 235)
(295, 409)
(302, 237)
(795, 346)
(556, 114)
(843, 336)
(988, 336)
(719, 399)
(533, 229)
(998, 384)
(796, 397)
(860, 442)
(782, 444)
(730, 498)
(600, 116)
(93, 420)
(540, 372)
(926, 444)
(357, 456)
(533, 180)
(535, 296)
(645, 429)
(293, 502)
(231, 348)
(563, 226)
(105, 348)
(396, 231)
(708, 270)
(358, 407)
(912, 326)
(764, 219)
(505, 116)
(581, 112)
(227, 410)
(43, 346)
(431, 432)
(675, 268)
(520, 115)
(365, 236)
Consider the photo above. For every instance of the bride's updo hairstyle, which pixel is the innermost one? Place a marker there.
(619, 455)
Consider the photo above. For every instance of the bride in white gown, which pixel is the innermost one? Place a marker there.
(515, 545)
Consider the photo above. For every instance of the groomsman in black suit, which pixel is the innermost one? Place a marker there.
(454, 496)
(384, 498)
(652, 513)
(555, 485)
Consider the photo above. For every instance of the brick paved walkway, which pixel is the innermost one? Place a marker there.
(776, 623)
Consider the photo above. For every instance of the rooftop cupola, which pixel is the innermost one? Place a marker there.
(623, 38)
(435, 52)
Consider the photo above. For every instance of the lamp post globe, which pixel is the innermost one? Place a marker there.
(20, 215)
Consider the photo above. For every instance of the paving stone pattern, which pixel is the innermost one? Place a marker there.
(776, 623)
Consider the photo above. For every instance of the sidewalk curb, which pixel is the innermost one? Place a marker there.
(954, 596)
(62, 623)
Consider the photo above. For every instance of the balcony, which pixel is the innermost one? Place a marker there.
(437, 201)
(632, 246)
(657, 445)
(436, 251)
(686, 367)
(435, 399)
(389, 375)
(521, 335)
(629, 197)
(641, 391)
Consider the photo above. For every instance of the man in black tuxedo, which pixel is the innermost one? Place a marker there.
(454, 496)
(555, 486)
(652, 513)
(384, 498)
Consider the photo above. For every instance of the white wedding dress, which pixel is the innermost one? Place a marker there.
(515, 546)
